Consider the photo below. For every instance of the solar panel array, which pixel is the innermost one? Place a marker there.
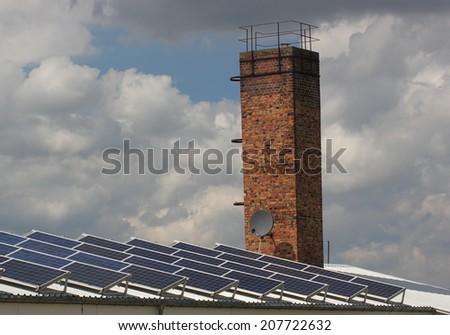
(40, 259)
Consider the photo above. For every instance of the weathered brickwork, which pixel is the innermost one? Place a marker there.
(280, 102)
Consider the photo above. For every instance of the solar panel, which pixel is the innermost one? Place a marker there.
(3, 259)
(46, 248)
(102, 262)
(49, 238)
(94, 276)
(206, 282)
(11, 239)
(103, 242)
(152, 264)
(197, 257)
(154, 279)
(340, 287)
(299, 286)
(289, 271)
(153, 255)
(101, 251)
(151, 246)
(31, 274)
(243, 260)
(187, 263)
(282, 262)
(6, 249)
(237, 251)
(247, 269)
(256, 284)
(38, 258)
(383, 290)
(328, 273)
(196, 249)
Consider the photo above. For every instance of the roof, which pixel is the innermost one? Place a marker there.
(417, 294)
(46, 268)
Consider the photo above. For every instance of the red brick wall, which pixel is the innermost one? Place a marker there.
(280, 102)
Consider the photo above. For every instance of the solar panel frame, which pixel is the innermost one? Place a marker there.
(282, 262)
(199, 258)
(289, 271)
(98, 261)
(10, 238)
(146, 253)
(39, 258)
(328, 273)
(243, 260)
(137, 242)
(153, 279)
(302, 287)
(32, 275)
(247, 269)
(204, 282)
(196, 249)
(101, 251)
(52, 239)
(260, 285)
(190, 264)
(46, 248)
(236, 251)
(152, 264)
(103, 242)
(345, 289)
(94, 277)
(379, 289)
(6, 249)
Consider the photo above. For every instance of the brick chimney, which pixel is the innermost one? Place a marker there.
(280, 105)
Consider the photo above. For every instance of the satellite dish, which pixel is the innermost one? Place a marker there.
(261, 223)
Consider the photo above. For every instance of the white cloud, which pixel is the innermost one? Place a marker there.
(33, 30)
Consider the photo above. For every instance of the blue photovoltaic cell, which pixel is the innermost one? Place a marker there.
(151, 246)
(46, 248)
(253, 283)
(204, 281)
(103, 262)
(28, 273)
(3, 259)
(38, 258)
(58, 240)
(152, 264)
(196, 249)
(379, 289)
(153, 255)
(289, 271)
(237, 251)
(101, 251)
(152, 278)
(243, 260)
(93, 276)
(11, 239)
(282, 262)
(340, 287)
(102, 242)
(299, 286)
(6, 249)
(187, 263)
(247, 269)
(333, 274)
(198, 257)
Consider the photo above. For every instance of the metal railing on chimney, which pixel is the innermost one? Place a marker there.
(278, 35)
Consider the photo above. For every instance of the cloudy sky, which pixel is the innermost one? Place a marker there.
(79, 77)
